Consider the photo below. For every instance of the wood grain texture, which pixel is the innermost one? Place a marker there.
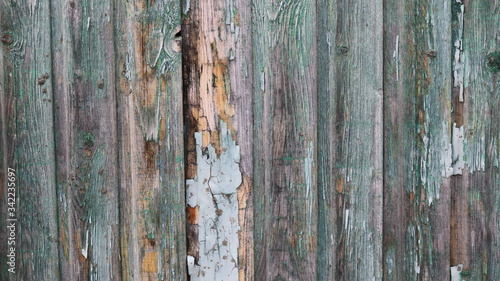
(27, 137)
(150, 131)
(350, 140)
(86, 137)
(285, 146)
(218, 116)
(417, 140)
(475, 204)
(251, 139)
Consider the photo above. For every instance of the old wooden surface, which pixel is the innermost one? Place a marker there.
(251, 139)
(28, 139)
(218, 119)
(350, 107)
(418, 153)
(85, 116)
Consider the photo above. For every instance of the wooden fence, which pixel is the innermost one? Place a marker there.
(250, 140)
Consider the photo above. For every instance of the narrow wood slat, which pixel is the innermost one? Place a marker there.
(218, 117)
(27, 136)
(350, 140)
(87, 174)
(476, 198)
(417, 140)
(150, 140)
(285, 141)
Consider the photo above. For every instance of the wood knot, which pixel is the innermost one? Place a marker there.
(342, 49)
(43, 79)
(7, 39)
(494, 61)
(431, 54)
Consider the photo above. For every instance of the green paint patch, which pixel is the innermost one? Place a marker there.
(494, 61)
(465, 273)
(86, 140)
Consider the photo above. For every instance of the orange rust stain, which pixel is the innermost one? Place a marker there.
(421, 120)
(340, 185)
(78, 243)
(192, 214)
(216, 143)
(149, 262)
(195, 112)
(124, 251)
(245, 220)
(293, 241)
(224, 110)
(150, 153)
(205, 136)
(64, 237)
(147, 82)
(202, 124)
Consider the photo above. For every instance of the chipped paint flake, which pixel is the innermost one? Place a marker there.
(395, 56)
(85, 250)
(455, 272)
(458, 64)
(458, 149)
(214, 190)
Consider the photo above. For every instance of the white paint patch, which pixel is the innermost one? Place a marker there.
(308, 172)
(448, 163)
(455, 272)
(214, 192)
(395, 56)
(458, 149)
(185, 7)
(85, 250)
(458, 64)
(346, 218)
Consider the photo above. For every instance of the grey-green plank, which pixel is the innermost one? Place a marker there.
(86, 137)
(417, 140)
(285, 162)
(28, 140)
(476, 195)
(350, 140)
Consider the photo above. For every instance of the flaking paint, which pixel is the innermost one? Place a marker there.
(214, 192)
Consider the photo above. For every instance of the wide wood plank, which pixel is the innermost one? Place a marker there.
(475, 252)
(218, 117)
(350, 140)
(150, 140)
(417, 140)
(87, 174)
(27, 137)
(285, 146)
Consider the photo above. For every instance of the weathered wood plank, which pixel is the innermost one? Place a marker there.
(417, 140)
(350, 140)
(27, 137)
(218, 105)
(285, 146)
(86, 136)
(150, 131)
(476, 196)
